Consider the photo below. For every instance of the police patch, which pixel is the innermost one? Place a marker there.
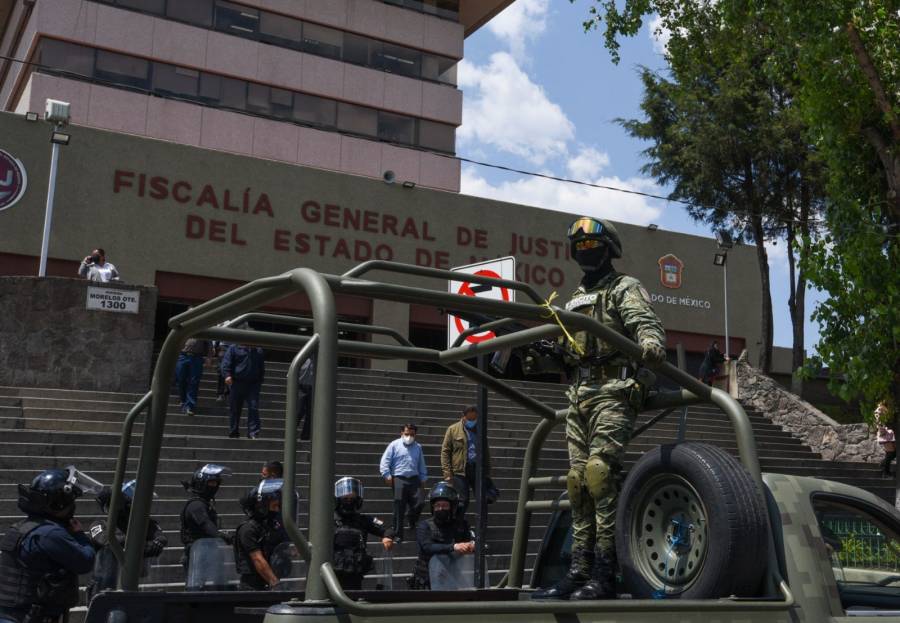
(582, 301)
(644, 293)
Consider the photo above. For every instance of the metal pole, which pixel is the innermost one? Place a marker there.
(48, 213)
(481, 444)
(727, 343)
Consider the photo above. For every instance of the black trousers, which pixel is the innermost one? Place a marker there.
(408, 500)
(462, 483)
(350, 581)
(886, 462)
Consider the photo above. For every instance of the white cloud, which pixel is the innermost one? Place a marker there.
(503, 108)
(659, 35)
(522, 21)
(566, 197)
(587, 163)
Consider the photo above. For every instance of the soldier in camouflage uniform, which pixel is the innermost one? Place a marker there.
(605, 396)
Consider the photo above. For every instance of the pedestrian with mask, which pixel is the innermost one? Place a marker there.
(244, 369)
(445, 533)
(94, 267)
(403, 469)
(459, 457)
(351, 527)
(256, 540)
(199, 519)
(42, 555)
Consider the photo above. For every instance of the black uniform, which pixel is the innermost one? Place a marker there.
(256, 535)
(351, 560)
(199, 520)
(105, 577)
(40, 560)
(433, 538)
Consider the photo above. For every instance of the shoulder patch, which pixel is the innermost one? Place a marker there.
(644, 293)
(377, 521)
(582, 301)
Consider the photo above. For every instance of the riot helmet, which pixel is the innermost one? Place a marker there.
(104, 499)
(206, 481)
(593, 242)
(348, 495)
(256, 503)
(443, 491)
(53, 492)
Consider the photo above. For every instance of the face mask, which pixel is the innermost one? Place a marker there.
(470, 424)
(442, 517)
(347, 507)
(591, 260)
(407, 439)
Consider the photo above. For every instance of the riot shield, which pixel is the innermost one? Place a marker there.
(211, 566)
(387, 570)
(451, 572)
(282, 562)
(105, 574)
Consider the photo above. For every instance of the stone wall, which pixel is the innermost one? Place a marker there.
(49, 339)
(834, 441)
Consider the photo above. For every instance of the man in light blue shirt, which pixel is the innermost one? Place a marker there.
(403, 468)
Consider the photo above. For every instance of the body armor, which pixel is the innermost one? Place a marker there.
(350, 555)
(595, 302)
(454, 532)
(189, 534)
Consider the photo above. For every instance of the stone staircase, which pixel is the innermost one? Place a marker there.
(43, 428)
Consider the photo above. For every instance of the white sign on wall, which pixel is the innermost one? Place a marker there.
(501, 268)
(114, 300)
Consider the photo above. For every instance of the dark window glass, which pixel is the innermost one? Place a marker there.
(322, 41)
(280, 30)
(439, 68)
(358, 49)
(226, 92)
(281, 102)
(314, 110)
(258, 98)
(176, 80)
(61, 56)
(396, 128)
(399, 60)
(357, 119)
(437, 136)
(199, 12)
(150, 6)
(123, 69)
(236, 19)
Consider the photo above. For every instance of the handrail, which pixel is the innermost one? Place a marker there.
(481, 328)
(510, 607)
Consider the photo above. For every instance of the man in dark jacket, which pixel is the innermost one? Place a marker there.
(42, 555)
(199, 519)
(258, 538)
(445, 533)
(244, 369)
(709, 367)
(351, 560)
(458, 459)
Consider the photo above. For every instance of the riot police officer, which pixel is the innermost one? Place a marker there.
(199, 519)
(351, 560)
(606, 393)
(255, 540)
(444, 533)
(99, 532)
(42, 555)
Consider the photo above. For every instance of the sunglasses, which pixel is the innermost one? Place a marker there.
(587, 226)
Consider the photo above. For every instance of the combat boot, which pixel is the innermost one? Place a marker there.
(574, 579)
(602, 584)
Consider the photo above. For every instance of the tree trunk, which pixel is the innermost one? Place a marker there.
(762, 257)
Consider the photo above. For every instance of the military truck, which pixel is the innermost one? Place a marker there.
(701, 535)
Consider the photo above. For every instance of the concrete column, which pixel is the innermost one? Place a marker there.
(395, 316)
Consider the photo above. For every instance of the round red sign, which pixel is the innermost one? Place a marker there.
(12, 180)
(466, 290)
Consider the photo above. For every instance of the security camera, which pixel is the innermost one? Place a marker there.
(389, 177)
(57, 112)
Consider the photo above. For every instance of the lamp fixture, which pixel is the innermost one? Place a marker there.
(60, 138)
(719, 259)
(652, 227)
(409, 184)
(31, 116)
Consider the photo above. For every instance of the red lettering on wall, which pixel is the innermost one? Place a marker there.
(196, 227)
(208, 195)
(159, 187)
(226, 202)
(262, 204)
(122, 179)
(177, 194)
(332, 215)
(282, 236)
(389, 224)
(310, 211)
(217, 230)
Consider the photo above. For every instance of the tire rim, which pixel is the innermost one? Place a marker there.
(669, 536)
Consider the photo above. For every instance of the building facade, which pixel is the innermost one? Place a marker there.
(356, 86)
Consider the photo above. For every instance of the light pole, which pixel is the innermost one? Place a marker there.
(723, 238)
(58, 114)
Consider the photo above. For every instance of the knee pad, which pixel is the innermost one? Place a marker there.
(598, 475)
(575, 487)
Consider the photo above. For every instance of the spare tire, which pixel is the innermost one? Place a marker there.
(691, 524)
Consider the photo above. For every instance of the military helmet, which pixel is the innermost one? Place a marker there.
(589, 228)
(255, 503)
(444, 491)
(53, 492)
(349, 486)
(202, 479)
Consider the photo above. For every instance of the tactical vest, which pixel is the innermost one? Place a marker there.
(596, 303)
(456, 532)
(191, 533)
(350, 555)
(20, 588)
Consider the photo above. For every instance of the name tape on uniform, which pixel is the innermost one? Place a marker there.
(582, 301)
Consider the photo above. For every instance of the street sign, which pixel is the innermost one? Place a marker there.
(501, 268)
(113, 299)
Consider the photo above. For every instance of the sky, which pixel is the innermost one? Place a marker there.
(541, 95)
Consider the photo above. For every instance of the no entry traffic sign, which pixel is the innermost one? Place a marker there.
(501, 268)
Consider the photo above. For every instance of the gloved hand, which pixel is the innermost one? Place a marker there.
(153, 548)
(225, 536)
(652, 354)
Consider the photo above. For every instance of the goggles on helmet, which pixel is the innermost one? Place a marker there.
(587, 226)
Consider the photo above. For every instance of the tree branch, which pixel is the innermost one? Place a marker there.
(874, 80)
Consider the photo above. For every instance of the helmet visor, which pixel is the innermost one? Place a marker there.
(270, 486)
(81, 483)
(587, 226)
(130, 487)
(211, 471)
(348, 486)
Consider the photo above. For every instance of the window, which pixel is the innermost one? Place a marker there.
(357, 49)
(280, 30)
(236, 19)
(122, 69)
(357, 120)
(314, 110)
(226, 92)
(197, 12)
(61, 56)
(439, 69)
(437, 136)
(175, 80)
(281, 102)
(322, 41)
(150, 6)
(399, 60)
(258, 98)
(396, 128)
(865, 550)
